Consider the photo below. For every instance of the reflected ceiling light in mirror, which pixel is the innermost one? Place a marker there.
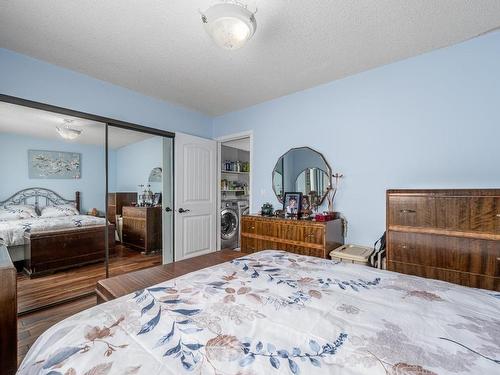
(230, 24)
(67, 131)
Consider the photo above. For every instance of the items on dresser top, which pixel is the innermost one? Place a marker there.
(116, 201)
(267, 209)
(451, 235)
(296, 236)
(142, 227)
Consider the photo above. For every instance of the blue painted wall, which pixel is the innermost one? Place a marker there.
(134, 162)
(28, 78)
(432, 121)
(14, 169)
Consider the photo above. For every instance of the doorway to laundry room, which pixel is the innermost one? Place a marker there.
(235, 181)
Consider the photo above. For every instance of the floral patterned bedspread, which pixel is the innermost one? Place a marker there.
(274, 312)
(12, 232)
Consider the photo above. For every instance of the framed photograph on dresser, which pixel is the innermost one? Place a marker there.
(292, 203)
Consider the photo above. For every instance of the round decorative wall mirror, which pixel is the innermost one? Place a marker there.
(302, 170)
(155, 175)
(155, 180)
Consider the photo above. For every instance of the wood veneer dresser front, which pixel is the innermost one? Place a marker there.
(116, 201)
(296, 236)
(450, 235)
(142, 227)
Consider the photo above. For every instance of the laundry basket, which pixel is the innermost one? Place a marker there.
(352, 254)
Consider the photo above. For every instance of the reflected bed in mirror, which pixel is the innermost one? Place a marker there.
(302, 170)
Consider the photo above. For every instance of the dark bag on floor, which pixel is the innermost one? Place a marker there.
(377, 259)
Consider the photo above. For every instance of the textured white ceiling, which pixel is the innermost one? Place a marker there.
(16, 119)
(159, 47)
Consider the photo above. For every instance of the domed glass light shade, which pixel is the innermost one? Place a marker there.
(67, 132)
(229, 24)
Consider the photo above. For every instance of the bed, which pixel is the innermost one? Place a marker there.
(49, 244)
(274, 312)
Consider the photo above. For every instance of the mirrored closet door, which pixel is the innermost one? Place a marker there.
(82, 198)
(139, 199)
(52, 203)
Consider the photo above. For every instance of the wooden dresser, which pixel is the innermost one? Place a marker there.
(8, 314)
(296, 236)
(451, 235)
(142, 227)
(116, 201)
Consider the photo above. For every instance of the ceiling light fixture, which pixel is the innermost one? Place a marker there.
(67, 132)
(230, 24)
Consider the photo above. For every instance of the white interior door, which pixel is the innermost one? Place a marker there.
(195, 196)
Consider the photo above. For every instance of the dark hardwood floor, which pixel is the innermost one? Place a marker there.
(73, 283)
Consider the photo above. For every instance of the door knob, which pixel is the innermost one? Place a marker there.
(182, 210)
(168, 209)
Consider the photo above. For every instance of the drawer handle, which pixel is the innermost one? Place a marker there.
(498, 215)
(405, 211)
(404, 247)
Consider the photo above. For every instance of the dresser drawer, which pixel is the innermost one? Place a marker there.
(297, 249)
(134, 239)
(266, 228)
(455, 213)
(296, 236)
(134, 231)
(291, 232)
(413, 211)
(136, 212)
(248, 245)
(451, 276)
(455, 253)
(248, 225)
(475, 214)
(313, 234)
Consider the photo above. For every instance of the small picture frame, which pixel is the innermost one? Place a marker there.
(292, 204)
(306, 204)
(157, 199)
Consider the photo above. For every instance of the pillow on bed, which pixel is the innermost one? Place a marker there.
(17, 212)
(58, 211)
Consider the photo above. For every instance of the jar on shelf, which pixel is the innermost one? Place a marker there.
(223, 184)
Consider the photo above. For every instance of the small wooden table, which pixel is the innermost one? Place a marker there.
(118, 286)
